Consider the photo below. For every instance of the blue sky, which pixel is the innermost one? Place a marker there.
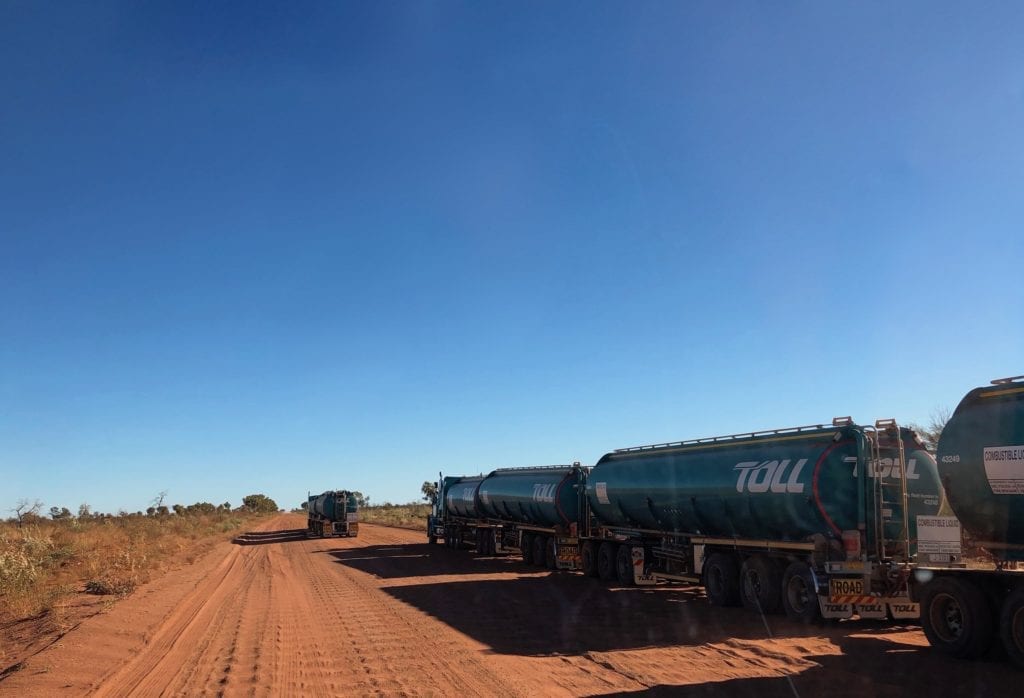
(258, 247)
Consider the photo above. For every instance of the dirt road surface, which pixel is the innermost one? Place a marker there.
(386, 614)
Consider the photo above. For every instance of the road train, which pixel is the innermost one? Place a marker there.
(823, 521)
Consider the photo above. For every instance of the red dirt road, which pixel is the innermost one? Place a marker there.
(385, 613)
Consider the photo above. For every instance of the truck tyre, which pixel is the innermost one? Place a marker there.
(1011, 626)
(761, 584)
(526, 544)
(606, 561)
(799, 593)
(589, 554)
(550, 554)
(956, 617)
(624, 565)
(432, 540)
(722, 580)
(540, 554)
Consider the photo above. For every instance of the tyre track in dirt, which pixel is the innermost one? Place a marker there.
(280, 617)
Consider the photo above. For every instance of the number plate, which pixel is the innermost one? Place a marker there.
(845, 587)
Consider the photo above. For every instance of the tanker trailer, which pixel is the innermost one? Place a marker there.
(333, 513)
(535, 509)
(965, 606)
(780, 520)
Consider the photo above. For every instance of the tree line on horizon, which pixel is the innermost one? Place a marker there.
(29, 511)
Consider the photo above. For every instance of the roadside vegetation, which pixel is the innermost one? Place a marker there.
(412, 516)
(47, 560)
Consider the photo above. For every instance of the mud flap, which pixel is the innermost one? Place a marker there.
(834, 610)
(905, 610)
(640, 577)
(873, 611)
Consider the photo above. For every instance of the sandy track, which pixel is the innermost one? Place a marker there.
(387, 614)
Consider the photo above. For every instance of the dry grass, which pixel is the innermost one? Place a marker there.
(412, 516)
(45, 562)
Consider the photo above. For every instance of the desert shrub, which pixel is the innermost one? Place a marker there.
(43, 563)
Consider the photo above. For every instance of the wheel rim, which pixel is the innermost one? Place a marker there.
(715, 582)
(753, 584)
(798, 594)
(947, 617)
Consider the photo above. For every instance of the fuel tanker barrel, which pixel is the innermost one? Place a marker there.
(331, 505)
(783, 485)
(460, 496)
(542, 496)
(981, 460)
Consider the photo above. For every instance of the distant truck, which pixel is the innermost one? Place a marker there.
(333, 513)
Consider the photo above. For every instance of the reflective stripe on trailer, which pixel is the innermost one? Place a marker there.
(865, 600)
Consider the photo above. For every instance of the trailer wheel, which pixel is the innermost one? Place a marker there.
(722, 580)
(526, 545)
(589, 554)
(761, 584)
(956, 618)
(624, 565)
(540, 555)
(799, 593)
(432, 540)
(606, 561)
(1011, 626)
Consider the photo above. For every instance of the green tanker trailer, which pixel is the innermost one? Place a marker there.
(535, 510)
(981, 461)
(333, 513)
(819, 520)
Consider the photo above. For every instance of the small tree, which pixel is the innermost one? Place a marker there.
(25, 511)
(60, 513)
(429, 490)
(259, 504)
(931, 431)
(361, 501)
(84, 511)
(304, 506)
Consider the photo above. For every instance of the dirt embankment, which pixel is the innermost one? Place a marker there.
(386, 613)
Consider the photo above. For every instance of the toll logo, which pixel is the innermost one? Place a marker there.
(544, 493)
(886, 467)
(775, 476)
